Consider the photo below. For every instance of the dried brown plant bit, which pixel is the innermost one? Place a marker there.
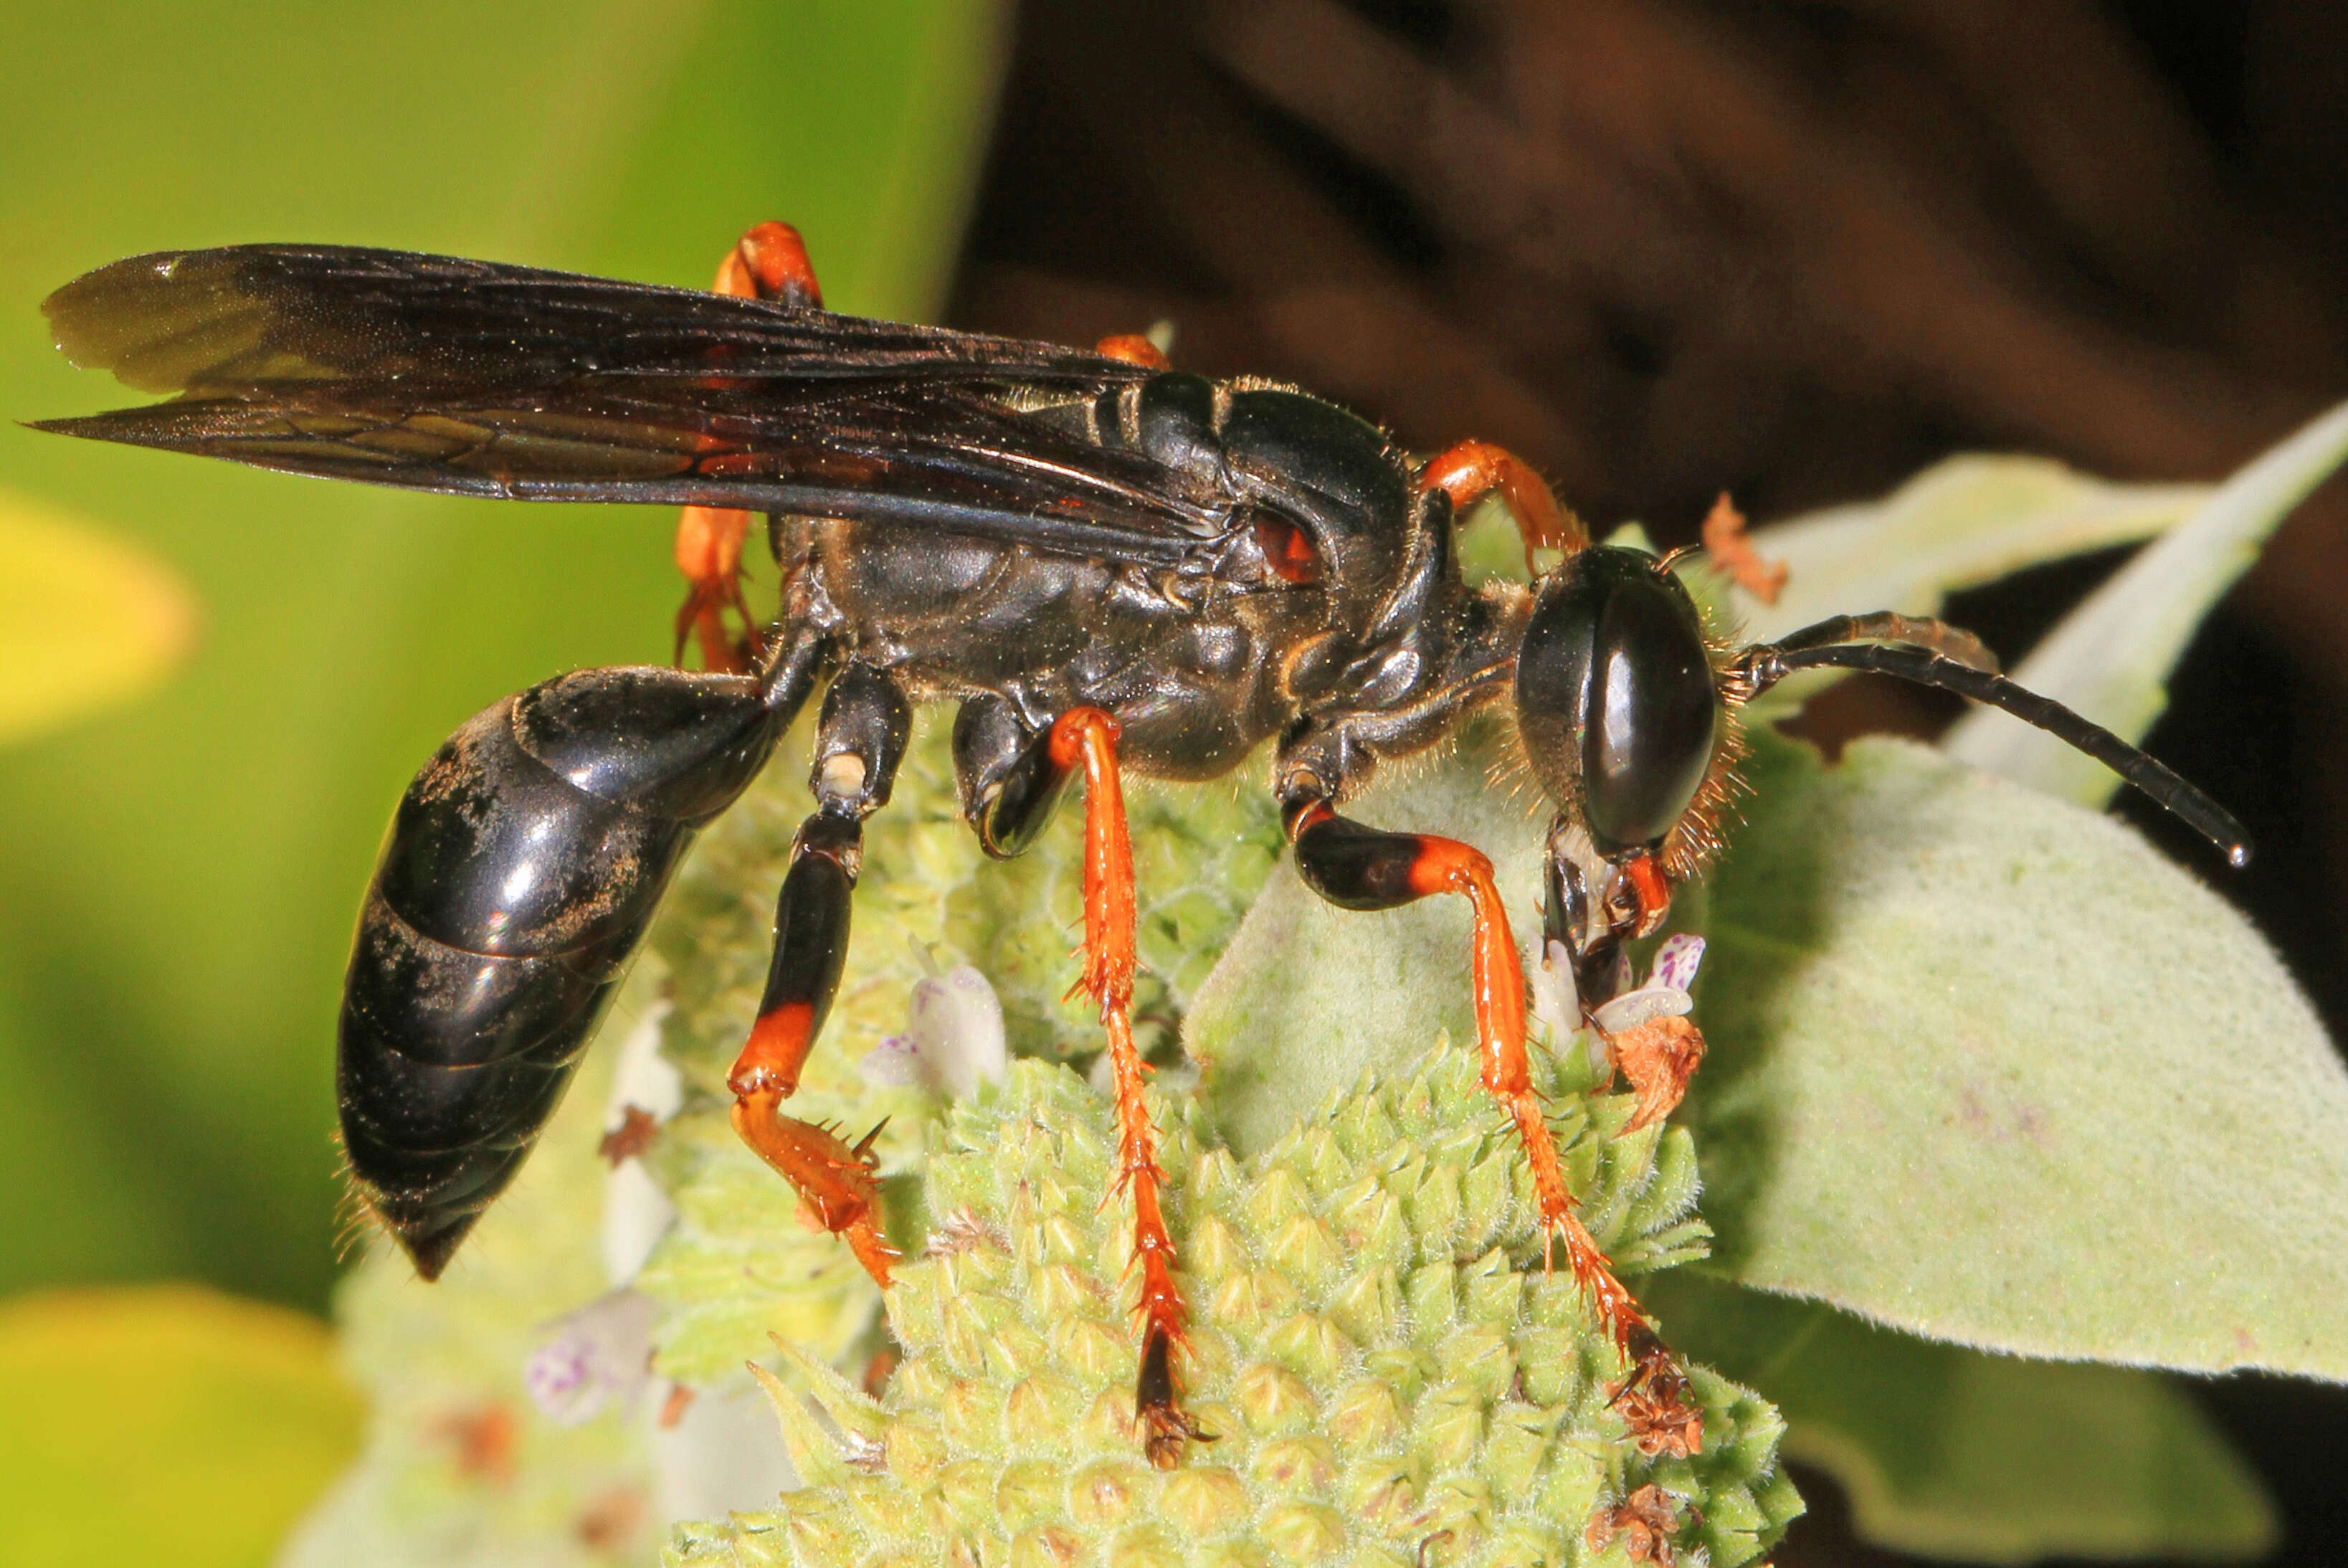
(877, 1370)
(1645, 1522)
(962, 1232)
(637, 1129)
(1658, 1056)
(485, 1438)
(1728, 548)
(609, 1522)
(673, 1409)
(1655, 1403)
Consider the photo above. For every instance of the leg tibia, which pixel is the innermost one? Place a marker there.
(1470, 470)
(860, 742)
(811, 921)
(1086, 739)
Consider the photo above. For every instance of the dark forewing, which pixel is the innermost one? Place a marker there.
(476, 378)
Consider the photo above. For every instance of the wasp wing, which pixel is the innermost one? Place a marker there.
(476, 378)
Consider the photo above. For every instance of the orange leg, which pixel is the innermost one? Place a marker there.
(1361, 867)
(836, 1188)
(709, 553)
(770, 262)
(1134, 349)
(1470, 470)
(1086, 738)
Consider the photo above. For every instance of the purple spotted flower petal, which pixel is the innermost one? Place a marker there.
(592, 1357)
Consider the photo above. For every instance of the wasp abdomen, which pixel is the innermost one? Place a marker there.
(523, 866)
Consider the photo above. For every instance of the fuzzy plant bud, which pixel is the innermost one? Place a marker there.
(1389, 1376)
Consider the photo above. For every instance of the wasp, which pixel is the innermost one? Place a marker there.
(1108, 565)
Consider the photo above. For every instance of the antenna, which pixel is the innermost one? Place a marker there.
(1764, 664)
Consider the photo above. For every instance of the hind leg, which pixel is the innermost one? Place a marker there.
(770, 262)
(860, 742)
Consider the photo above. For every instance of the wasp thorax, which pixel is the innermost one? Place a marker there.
(1615, 697)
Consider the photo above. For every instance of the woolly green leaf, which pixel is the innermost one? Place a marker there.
(1925, 986)
(162, 1424)
(1959, 524)
(1308, 995)
(1947, 1453)
(1987, 1068)
(2110, 658)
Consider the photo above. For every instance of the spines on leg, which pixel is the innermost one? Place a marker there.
(1357, 867)
(1086, 738)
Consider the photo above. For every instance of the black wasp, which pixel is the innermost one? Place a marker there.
(1106, 563)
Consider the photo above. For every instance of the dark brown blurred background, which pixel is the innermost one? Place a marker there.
(1666, 248)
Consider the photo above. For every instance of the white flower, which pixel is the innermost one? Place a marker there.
(597, 1354)
(1665, 993)
(1558, 1005)
(954, 1039)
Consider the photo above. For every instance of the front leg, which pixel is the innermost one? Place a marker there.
(1358, 867)
(860, 742)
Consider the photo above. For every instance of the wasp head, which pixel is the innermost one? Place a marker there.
(1623, 722)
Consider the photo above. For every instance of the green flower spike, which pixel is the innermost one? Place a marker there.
(1390, 1377)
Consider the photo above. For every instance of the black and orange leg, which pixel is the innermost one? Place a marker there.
(859, 741)
(1469, 470)
(1085, 739)
(768, 263)
(1357, 867)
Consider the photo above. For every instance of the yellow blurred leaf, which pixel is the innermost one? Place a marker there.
(86, 620)
(163, 1424)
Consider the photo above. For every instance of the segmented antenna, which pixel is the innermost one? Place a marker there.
(1890, 626)
(1764, 664)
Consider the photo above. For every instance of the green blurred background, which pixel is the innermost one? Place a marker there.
(179, 873)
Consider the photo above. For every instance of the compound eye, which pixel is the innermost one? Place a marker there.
(1653, 717)
(1286, 550)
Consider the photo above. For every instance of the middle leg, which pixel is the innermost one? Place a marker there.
(1012, 778)
(1086, 738)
